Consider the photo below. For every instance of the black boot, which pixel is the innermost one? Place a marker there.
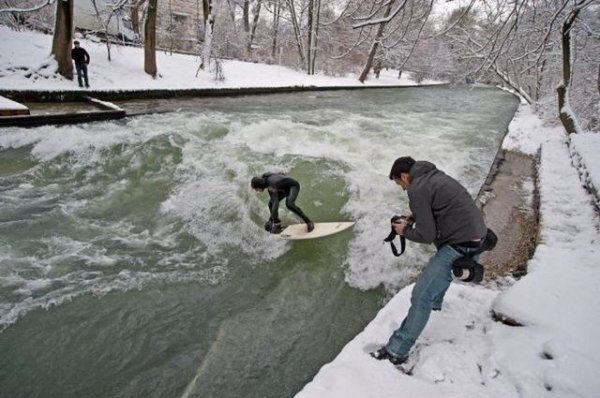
(383, 353)
(310, 226)
(273, 226)
(276, 228)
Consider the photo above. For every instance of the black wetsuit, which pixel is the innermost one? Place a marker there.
(279, 187)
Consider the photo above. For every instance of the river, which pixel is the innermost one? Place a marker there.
(133, 262)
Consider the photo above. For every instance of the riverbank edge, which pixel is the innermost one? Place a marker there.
(112, 112)
(509, 200)
(122, 95)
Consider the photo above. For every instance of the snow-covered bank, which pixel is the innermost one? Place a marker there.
(463, 352)
(25, 64)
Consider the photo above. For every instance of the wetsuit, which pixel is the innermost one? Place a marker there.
(280, 187)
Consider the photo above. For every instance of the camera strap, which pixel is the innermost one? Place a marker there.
(390, 238)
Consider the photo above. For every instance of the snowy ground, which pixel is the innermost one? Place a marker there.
(462, 352)
(26, 64)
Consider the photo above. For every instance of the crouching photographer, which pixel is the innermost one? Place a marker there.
(445, 214)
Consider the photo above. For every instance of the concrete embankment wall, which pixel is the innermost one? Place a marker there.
(123, 95)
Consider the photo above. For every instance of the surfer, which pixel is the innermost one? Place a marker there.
(280, 186)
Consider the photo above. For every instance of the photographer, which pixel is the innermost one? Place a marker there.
(443, 213)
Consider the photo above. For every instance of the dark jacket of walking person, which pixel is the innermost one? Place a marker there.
(81, 59)
(279, 187)
(445, 214)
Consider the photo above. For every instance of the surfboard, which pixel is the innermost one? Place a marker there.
(298, 231)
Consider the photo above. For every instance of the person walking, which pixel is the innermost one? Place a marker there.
(445, 214)
(81, 59)
(279, 187)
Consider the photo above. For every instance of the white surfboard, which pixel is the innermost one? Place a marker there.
(298, 231)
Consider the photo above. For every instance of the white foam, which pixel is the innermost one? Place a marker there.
(211, 198)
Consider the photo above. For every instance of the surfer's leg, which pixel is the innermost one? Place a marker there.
(290, 203)
(275, 213)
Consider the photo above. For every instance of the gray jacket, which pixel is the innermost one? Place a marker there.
(443, 210)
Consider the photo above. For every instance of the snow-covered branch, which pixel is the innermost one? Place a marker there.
(383, 20)
(30, 9)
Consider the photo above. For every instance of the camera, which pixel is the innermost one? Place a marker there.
(398, 219)
(402, 219)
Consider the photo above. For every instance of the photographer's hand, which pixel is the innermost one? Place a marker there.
(399, 227)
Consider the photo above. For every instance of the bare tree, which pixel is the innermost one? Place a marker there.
(276, 17)
(104, 22)
(150, 40)
(104, 16)
(208, 33)
(390, 28)
(246, 15)
(566, 114)
(313, 17)
(513, 43)
(297, 32)
(256, 13)
(377, 41)
(63, 35)
(135, 15)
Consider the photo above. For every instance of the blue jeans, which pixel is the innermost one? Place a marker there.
(428, 293)
(82, 72)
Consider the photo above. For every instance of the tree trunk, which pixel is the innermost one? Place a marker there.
(135, 16)
(598, 78)
(566, 115)
(375, 46)
(310, 29)
(232, 14)
(63, 34)
(208, 34)
(316, 37)
(276, 16)
(150, 40)
(246, 15)
(105, 24)
(254, 24)
(295, 24)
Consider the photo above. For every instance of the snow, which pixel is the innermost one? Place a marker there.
(105, 104)
(25, 64)
(462, 352)
(584, 149)
(6, 104)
